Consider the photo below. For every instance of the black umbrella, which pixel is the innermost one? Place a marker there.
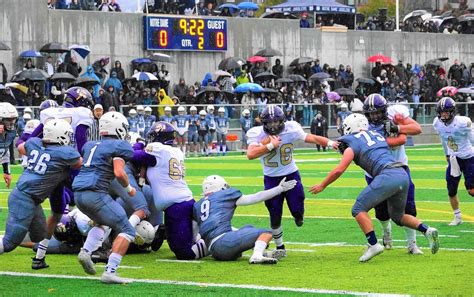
(279, 15)
(284, 80)
(207, 89)
(30, 74)
(85, 82)
(54, 47)
(231, 63)
(319, 76)
(4, 46)
(159, 57)
(63, 76)
(269, 90)
(434, 62)
(268, 52)
(466, 18)
(302, 60)
(297, 78)
(265, 76)
(345, 92)
(365, 81)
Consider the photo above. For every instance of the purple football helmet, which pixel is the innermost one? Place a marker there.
(162, 132)
(375, 109)
(78, 96)
(66, 230)
(273, 120)
(48, 104)
(446, 104)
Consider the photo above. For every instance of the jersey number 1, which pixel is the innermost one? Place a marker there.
(89, 159)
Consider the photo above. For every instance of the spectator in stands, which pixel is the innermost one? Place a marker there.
(114, 82)
(225, 12)
(400, 70)
(277, 69)
(163, 100)
(90, 73)
(316, 67)
(36, 95)
(207, 81)
(304, 20)
(209, 10)
(48, 68)
(61, 4)
(190, 97)
(29, 64)
(106, 6)
(319, 126)
(164, 77)
(73, 68)
(119, 70)
(455, 71)
(180, 89)
(115, 102)
(74, 5)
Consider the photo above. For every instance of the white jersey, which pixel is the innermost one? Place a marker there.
(398, 152)
(278, 162)
(167, 176)
(456, 137)
(75, 116)
(83, 222)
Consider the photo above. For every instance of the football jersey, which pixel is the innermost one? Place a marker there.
(47, 166)
(371, 151)
(246, 123)
(165, 118)
(192, 119)
(181, 122)
(75, 116)
(456, 137)
(278, 162)
(133, 123)
(203, 125)
(211, 121)
(149, 120)
(222, 124)
(97, 171)
(5, 141)
(167, 176)
(214, 213)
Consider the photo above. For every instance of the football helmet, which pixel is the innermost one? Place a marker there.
(202, 113)
(67, 229)
(167, 110)
(140, 109)
(8, 116)
(193, 108)
(78, 96)
(132, 112)
(57, 131)
(210, 109)
(446, 104)
(144, 233)
(148, 110)
(48, 104)
(246, 112)
(113, 123)
(162, 132)
(221, 110)
(354, 123)
(214, 183)
(273, 120)
(375, 108)
(27, 116)
(134, 137)
(31, 125)
(181, 110)
(28, 110)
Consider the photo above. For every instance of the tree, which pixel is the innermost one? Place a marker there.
(372, 7)
(267, 3)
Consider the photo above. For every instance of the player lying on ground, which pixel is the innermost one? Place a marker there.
(214, 214)
(370, 151)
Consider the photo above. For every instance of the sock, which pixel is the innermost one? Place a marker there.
(259, 248)
(224, 149)
(422, 228)
(457, 213)
(2, 249)
(42, 247)
(200, 249)
(184, 149)
(113, 263)
(410, 235)
(371, 238)
(278, 236)
(134, 220)
(386, 226)
(94, 239)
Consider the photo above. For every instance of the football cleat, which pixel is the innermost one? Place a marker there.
(37, 264)
(276, 254)
(413, 249)
(113, 278)
(432, 236)
(455, 222)
(160, 236)
(262, 260)
(387, 240)
(86, 262)
(299, 221)
(100, 256)
(371, 251)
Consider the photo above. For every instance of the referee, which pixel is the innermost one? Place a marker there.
(94, 130)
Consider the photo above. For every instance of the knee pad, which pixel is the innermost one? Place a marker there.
(356, 209)
(127, 236)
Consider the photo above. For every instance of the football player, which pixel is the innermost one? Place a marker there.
(273, 143)
(167, 117)
(390, 183)
(456, 133)
(133, 120)
(245, 124)
(105, 160)
(193, 119)
(8, 119)
(149, 119)
(171, 192)
(211, 123)
(203, 131)
(222, 129)
(180, 121)
(382, 120)
(214, 213)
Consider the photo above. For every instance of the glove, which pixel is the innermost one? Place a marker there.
(390, 128)
(287, 185)
(342, 147)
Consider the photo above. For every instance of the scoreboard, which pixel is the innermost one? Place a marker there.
(185, 34)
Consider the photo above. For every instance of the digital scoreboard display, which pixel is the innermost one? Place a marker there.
(185, 34)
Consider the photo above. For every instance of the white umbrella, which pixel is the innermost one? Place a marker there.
(144, 76)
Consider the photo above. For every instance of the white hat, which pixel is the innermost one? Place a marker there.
(98, 106)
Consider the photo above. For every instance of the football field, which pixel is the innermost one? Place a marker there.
(322, 254)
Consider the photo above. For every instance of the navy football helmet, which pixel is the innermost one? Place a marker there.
(273, 120)
(446, 104)
(375, 109)
(162, 132)
(48, 104)
(66, 230)
(78, 96)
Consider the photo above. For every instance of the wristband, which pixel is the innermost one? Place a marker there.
(270, 147)
(6, 168)
(128, 188)
(330, 143)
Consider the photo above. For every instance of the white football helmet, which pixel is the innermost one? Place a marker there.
(181, 110)
(27, 110)
(202, 112)
(354, 123)
(144, 233)
(214, 183)
(221, 110)
(167, 109)
(246, 112)
(193, 108)
(8, 115)
(113, 123)
(31, 125)
(140, 109)
(210, 109)
(27, 116)
(344, 106)
(57, 131)
(132, 112)
(148, 110)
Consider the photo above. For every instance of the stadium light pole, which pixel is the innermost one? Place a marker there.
(397, 16)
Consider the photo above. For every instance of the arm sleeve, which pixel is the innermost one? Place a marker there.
(258, 197)
(81, 136)
(38, 132)
(141, 158)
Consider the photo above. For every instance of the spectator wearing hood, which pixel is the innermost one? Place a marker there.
(455, 71)
(119, 70)
(180, 90)
(90, 73)
(242, 78)
(163, 101)
(73, 68)
(277, 69)
(207, 81)
(114, 82)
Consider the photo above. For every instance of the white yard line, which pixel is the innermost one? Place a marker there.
(122, 266)
(179, 261)
(197, 284)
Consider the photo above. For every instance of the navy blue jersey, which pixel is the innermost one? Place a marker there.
(371, 151)
(193, 119)
(98, 170)
(214, 213)
(203, 125)
(47, 166)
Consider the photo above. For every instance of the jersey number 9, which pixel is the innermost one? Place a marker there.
(205, 207)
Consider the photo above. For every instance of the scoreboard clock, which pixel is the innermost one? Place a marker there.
(185, 34)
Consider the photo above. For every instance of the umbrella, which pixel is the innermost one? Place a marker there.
(379, 58)
(106, 60)
(144, 76)
(62, 76)
(30, 74)
(30, 54)
(333, 96)
(268, 52)
(319, 76)
(54, 47)
(423, 14)
(4, 46)
(345, 92)
(80, 52)
(164, 58)
(284, 80)
(279, 15)
(248, 87)
(269, 90)
(18, 87)
(86, 81)
(466, 90)
(366, 81)
(231, 63)
(222, 73)
(263, 76)
(247, 6)
(302, 60)
(141, 61)
(257, 59)
(230, 6)
(207, 89)
(466, 18)
(434, 62)
(450, 90)
(297, 78)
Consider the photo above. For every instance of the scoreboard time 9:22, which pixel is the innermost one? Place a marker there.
(185, 34)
